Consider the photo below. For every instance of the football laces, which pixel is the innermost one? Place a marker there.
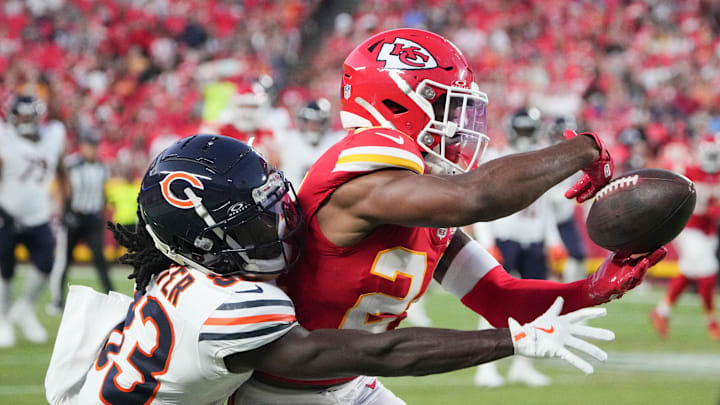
(623, 182)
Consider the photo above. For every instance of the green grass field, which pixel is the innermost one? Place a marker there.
(642, 369)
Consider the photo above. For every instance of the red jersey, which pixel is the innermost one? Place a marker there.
(369, 285)
(261, 135)
(707, 207)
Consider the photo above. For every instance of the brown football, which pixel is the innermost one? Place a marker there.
(641, 210)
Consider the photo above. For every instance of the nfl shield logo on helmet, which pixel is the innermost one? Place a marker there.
(346, 92)
(404, 54)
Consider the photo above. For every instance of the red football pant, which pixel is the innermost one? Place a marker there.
(676, 287)
(706, 289)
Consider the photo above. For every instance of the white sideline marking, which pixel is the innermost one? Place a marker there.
(679, 365)
(699, 364)
(12, 390)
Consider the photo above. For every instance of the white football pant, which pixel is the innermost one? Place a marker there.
(360, 391)
(696, 253)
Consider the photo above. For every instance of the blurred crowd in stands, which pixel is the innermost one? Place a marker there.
(644, 74)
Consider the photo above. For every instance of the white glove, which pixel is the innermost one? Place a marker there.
(551, 334)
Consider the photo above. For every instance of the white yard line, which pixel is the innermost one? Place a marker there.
(13, 390)
(696, 364)
(705, 366)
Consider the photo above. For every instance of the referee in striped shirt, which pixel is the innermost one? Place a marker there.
(83, 217)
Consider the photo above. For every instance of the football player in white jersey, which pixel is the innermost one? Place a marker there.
(216, 224)
(30, 154)
(301, 147)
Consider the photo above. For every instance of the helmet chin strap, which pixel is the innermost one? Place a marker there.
(175, 256)
(434, 164)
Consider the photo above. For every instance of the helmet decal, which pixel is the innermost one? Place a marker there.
(405, 54)
(170, 197)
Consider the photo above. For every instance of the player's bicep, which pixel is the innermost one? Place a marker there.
(403, 197)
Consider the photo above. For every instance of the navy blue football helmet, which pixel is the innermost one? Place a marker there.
(523, 129)
(313, 120)
(25, 113)
(214, 203)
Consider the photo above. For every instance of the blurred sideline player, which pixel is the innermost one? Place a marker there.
(83, 218)
(382, 206)
(215, 220)
(30, 157)
(301, 147)
(522, 239)
(241, 117)
(697, 243)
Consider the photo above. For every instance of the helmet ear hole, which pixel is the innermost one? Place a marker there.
(394, 107)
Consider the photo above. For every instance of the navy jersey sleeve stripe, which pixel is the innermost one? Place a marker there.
(252, 304)
(245, 335)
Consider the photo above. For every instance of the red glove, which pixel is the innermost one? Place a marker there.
(618, 275)
(596, 175)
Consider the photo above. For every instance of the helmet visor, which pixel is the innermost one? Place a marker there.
(465, 148)
(266, 241)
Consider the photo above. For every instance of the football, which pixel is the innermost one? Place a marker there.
(641, 210)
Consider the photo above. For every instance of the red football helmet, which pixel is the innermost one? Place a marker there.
(245, 107)
(419, 83)
(708, 153)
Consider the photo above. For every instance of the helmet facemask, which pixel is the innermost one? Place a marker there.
(261, 238)
(455, 136)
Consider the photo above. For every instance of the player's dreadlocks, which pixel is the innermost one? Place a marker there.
(142, 255)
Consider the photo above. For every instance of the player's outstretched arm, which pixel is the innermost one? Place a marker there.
(331, 353)
(496, 189)
(473, 275)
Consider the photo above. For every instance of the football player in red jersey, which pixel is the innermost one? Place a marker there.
(242, 119)
(382, 205)
(697, 243)
(217, 223)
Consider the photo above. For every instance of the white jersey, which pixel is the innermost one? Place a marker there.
(533, 224)
(563, 208)
(28, 168)
(298, 154)
(171, 346)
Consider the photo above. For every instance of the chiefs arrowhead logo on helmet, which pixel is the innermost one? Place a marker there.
(405, 54)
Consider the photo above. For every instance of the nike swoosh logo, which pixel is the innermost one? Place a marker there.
(257, 289)
(372, 386)
(398, 140)
(551, 330)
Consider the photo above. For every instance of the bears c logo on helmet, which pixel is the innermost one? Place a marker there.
(405, 54)
(170, 197)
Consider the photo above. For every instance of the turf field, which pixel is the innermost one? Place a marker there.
(642, 369)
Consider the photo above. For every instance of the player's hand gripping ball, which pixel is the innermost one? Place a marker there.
(641, 211)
